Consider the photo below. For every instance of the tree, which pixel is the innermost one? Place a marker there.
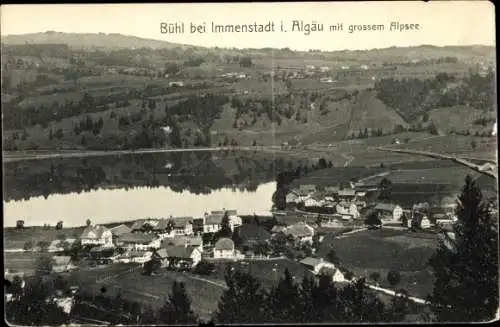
(241, 301)
(59, 225)
(393, 277)
(375, 276)
(88, 222)
(333, 257)
(43, 265)
(225, 230)
(177, 310)
(151, 266)
(373, 220)
(20, 224)
(283, 298)
(35, 307)
(204, 268)
(28, 246)
(385, 189)
(466, 286)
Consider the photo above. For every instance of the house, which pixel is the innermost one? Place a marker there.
(251, 234)
(309, 188)
(183, 240)
(180, 256)
(293, 197)
(332, 190)
(224, 249)
(326, 80)
(324, 69)
(96, 235)
(102, 255)
(301, 232)
(55, 246)
(182, 225)
(312, 201)
(346, 194)
(213, 221)
(139, 241)
(310, 67)
(344, 208)
(119, 230)
(320, 266)
(139, 257)
(331, 221)
(162, 256)
(177, 83)
(62, 263)
(144, 225)
(389, 212)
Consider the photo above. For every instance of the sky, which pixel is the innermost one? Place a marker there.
(440, 22)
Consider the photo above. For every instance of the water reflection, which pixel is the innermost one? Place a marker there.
(137, 180)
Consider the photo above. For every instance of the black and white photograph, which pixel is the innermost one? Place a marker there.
(249, 163)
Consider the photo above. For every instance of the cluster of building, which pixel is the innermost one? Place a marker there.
(174, 240)
(347, 204)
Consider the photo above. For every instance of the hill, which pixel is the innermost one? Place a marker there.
(117, 41)
(89, 40)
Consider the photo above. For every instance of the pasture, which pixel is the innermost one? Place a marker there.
(383, 250)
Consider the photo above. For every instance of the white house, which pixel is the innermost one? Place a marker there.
(182, 225)
(293, 197)
(320, 266)
(97, 235)
(301, 232)
(185, 240)
(324, 69)
(139, 241)
(224, 249)
(213, 221)
(389, 212)
(312, 201)
(177, 254)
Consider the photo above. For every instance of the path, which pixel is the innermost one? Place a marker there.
(346, 234)
(224, 286)
(12, 156)
(479, 168)
(393, 293)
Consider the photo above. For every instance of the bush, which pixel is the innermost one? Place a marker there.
(393, 277)
(204, 268)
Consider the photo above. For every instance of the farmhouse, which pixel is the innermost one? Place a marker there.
(301, 232)
(389, 212)
(139, 241)
(185, 240)
(347, 194)
(251, 234)
(213, 221)
(96, 235)
(120, 230)
(180, 256)
(102, 255)
(313, 201)
(182, 225)
(224, 249)
(320, 266)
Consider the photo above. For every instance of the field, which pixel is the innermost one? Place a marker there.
(16, 238)
(151, 290)
(382, 250)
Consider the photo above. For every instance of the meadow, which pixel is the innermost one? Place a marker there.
(383, 250)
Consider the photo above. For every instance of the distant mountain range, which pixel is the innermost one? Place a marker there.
(115, 41)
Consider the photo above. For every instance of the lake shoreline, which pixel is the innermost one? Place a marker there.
(14, 156)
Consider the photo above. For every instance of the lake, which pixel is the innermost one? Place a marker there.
(127, 187)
